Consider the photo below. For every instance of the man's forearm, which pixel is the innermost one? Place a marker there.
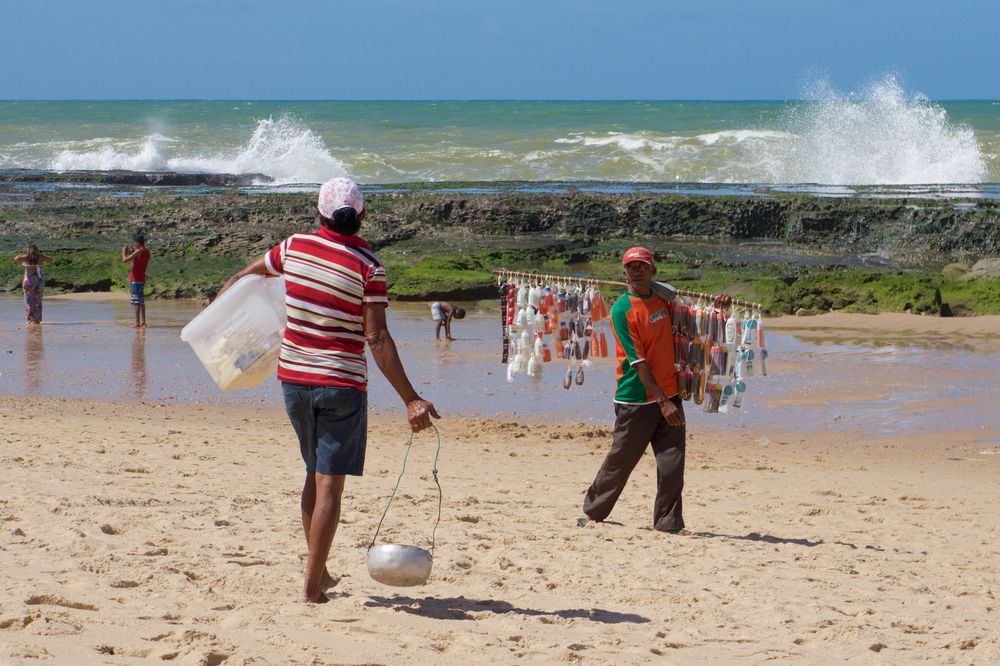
(653, 389)
(386, 357)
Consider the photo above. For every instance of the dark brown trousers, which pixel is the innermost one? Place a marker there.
(636, 427)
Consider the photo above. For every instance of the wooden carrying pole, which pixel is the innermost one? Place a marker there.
(613, 283)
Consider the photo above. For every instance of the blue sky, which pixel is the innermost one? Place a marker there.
(493, 49)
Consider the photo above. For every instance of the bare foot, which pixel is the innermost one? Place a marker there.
(143, 324)
(328, 581)
(315, 598)
(678, 532)
(134, 326)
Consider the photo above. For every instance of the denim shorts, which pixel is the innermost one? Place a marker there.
(332, 426)
(138, 293)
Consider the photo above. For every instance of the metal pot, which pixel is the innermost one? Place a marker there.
(401, 566)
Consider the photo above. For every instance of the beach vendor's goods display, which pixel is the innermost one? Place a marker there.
(399, 565)
(238, 337)
(717, 352)
(545, 319)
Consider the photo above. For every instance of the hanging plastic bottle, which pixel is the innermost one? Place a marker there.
(539, 321)
(535, 296)
(731, 328)
(568, 379)
(680, 349)
(522, 295)
(537, 349)
(546, 353)
(749, 332)
(678, 317)
(547, 324)
(604, 345)
(697, 385)
(579, 376)
(718, 358)
(563, 331)
(585, 303)
(548, 299)
(571, 300)
(561, 300)
(559, 348)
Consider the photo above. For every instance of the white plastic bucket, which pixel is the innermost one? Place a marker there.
(238, 337)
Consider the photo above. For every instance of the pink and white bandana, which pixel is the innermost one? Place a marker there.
(338, 193)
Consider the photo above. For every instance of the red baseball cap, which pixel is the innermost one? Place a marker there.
(637, 254)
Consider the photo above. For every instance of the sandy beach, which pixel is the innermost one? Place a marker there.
(145, 532)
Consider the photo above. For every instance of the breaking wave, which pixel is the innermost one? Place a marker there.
(282, 149)
(880, 136)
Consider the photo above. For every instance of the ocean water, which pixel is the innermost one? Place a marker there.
(882, 135)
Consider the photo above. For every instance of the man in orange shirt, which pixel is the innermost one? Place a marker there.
(648, 409)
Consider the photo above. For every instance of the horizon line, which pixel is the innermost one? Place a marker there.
(447, 99)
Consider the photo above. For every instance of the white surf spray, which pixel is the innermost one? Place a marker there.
(878, 136)
(283, 149)
(105, 154)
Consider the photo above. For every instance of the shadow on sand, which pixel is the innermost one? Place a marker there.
(460, 608)
(766, 538)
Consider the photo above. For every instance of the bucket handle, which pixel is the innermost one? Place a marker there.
(434, 471)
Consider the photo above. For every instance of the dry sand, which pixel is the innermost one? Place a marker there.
(142, 533)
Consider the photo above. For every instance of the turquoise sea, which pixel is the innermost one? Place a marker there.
(881, 136)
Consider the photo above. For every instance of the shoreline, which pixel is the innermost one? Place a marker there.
(902, 323)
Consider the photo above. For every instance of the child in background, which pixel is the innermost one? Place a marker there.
(139, 258)
(443, 312)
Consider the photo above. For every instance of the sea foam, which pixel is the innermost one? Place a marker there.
(879, 136)
(283, 149)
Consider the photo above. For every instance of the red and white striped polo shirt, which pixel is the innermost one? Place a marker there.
(327, 278)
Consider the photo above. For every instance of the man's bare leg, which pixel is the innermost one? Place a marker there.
(308, 504)
(321, 497)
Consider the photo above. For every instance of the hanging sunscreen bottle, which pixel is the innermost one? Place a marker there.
(731, 328)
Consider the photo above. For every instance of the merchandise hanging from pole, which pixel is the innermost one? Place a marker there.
(716, 350)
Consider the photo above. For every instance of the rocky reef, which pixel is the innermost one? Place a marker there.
(791, 252)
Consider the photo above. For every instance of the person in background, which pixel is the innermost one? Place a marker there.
(442, 312)
(335, 297)
(648, 408)
(139, 258)
(34, 281)
(209, 298)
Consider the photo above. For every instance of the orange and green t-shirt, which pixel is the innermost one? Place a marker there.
(643, 334)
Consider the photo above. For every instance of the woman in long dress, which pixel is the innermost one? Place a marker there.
(34, 281)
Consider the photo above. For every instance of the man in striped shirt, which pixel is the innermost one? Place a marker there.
(335, 298)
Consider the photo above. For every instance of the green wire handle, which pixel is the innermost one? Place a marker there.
(406, 455)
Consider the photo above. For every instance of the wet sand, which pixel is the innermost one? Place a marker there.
(849, 515)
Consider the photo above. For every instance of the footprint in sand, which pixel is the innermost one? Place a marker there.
(52, 600)
(121, 584)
